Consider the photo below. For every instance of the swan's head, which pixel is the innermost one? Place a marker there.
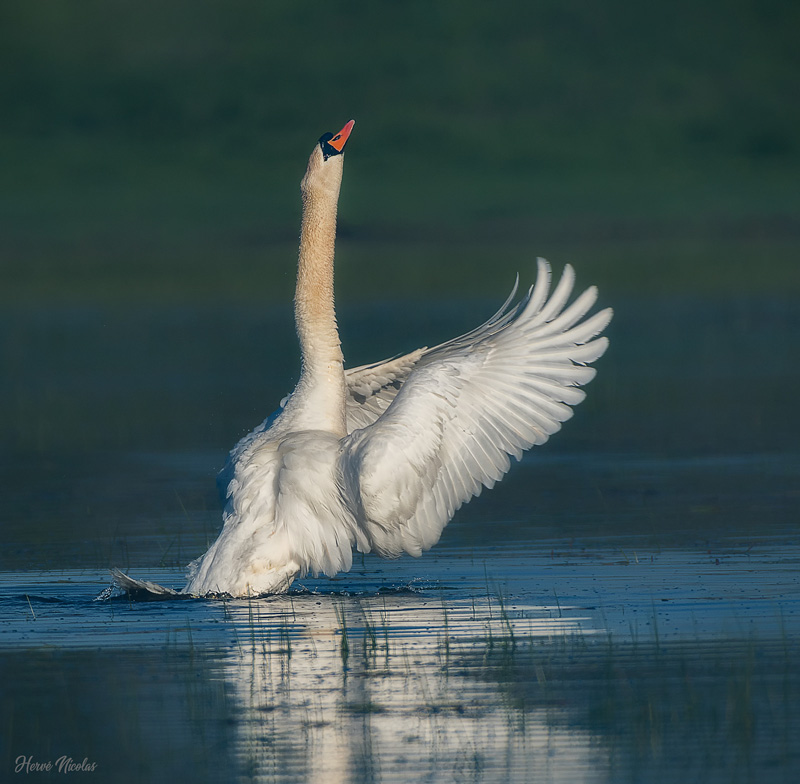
(331, 144)
(325, 164)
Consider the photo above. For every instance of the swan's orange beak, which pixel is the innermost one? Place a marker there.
(339, 139)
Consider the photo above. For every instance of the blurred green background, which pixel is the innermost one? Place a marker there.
(150, 160)
(152, 151)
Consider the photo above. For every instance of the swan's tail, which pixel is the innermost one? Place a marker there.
(141, 589)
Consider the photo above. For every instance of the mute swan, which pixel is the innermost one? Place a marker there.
(380, 457)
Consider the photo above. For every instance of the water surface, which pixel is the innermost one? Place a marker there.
(623, 607)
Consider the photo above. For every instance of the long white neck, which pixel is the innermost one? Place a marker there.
(321, 389)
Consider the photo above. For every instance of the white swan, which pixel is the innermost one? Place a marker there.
(380, 457)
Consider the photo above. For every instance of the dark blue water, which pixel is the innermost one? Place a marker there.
(623, 607)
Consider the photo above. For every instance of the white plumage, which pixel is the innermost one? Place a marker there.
(381, 456)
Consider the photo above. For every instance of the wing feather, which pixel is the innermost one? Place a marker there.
(453, 415)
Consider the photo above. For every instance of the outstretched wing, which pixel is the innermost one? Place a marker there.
(465, 407)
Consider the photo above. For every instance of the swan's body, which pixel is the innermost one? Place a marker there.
(380, 457)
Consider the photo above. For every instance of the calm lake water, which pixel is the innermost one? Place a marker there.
(625, 606)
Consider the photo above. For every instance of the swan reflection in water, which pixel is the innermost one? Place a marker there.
(335, 688)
